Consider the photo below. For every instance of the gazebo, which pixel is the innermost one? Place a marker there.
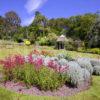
(60, 42)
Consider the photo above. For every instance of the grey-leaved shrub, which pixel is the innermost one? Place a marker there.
(63, 62)
(75, 73)
(95, 62)
(61, 56)
(85, 63)
(86, 74)
(96, 70)
(65, 56)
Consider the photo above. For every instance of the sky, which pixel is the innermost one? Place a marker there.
(50, 8)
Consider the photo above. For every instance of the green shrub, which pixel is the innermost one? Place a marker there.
(81, 49)
(24, 73)
(71, 45)
(95, 50)
(49, 79)
(43, 41)
(52, 37)
(68, 57)
(49, 40)
(92, 50)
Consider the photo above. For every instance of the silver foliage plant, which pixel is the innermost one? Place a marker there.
(61, 56)
(86, 74)
(96, 66)
(96, 70)
(95, 62)
(85, 63)
(63, 62)
(77, 74)
(64, 56)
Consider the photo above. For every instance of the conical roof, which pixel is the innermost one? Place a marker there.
(61, 38)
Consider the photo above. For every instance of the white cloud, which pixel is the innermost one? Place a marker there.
(32, 5)
(27, 21)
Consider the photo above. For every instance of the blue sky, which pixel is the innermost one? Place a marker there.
(50, 8)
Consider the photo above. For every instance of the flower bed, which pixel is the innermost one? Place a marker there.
(45, 72)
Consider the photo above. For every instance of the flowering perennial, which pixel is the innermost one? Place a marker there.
(37, 60)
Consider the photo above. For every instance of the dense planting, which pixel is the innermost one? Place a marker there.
(48, 72)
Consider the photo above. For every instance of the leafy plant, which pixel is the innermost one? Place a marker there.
(64, 56)
(61, 56)
(75, 73)
(71, 45)
(45, 72)
(86, 74)
(68, 57)
(43, 41)
(85, 63)
(63, 62)
(96, 70)
(95, 62)
(48, 79)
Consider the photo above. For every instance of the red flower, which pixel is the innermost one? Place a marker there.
(13, 61)
(30, 59)
(38, 63)
(19, 60)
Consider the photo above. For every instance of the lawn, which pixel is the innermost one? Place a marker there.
(4, 52)
(91, 94)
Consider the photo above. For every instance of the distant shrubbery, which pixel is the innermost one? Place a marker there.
(91, 50)
(71, 45)
(49, 40)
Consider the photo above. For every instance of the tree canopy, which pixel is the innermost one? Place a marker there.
(76, 27)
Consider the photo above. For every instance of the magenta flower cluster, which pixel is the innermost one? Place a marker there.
(38, 62)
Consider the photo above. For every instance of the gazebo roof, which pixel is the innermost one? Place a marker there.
(62, 38)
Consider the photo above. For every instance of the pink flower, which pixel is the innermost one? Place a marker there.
(13, 61)
(53, 64)
(9, 63)
(62, 69)
(57, 67)
(30, 59)
(38, 62)
(19, 60)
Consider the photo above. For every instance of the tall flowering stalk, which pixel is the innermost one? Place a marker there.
(13, 61)
(19, 60)
(54, 65)
(30, 59)
(38, 63)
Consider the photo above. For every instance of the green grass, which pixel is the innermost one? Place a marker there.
(4, 52)
(92, 94)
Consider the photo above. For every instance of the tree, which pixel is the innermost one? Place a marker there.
(1, 26)
(93, 37)
(39, 24)
(13, 22)
(80, 25)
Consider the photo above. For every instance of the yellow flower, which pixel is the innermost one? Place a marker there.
(27, 42)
